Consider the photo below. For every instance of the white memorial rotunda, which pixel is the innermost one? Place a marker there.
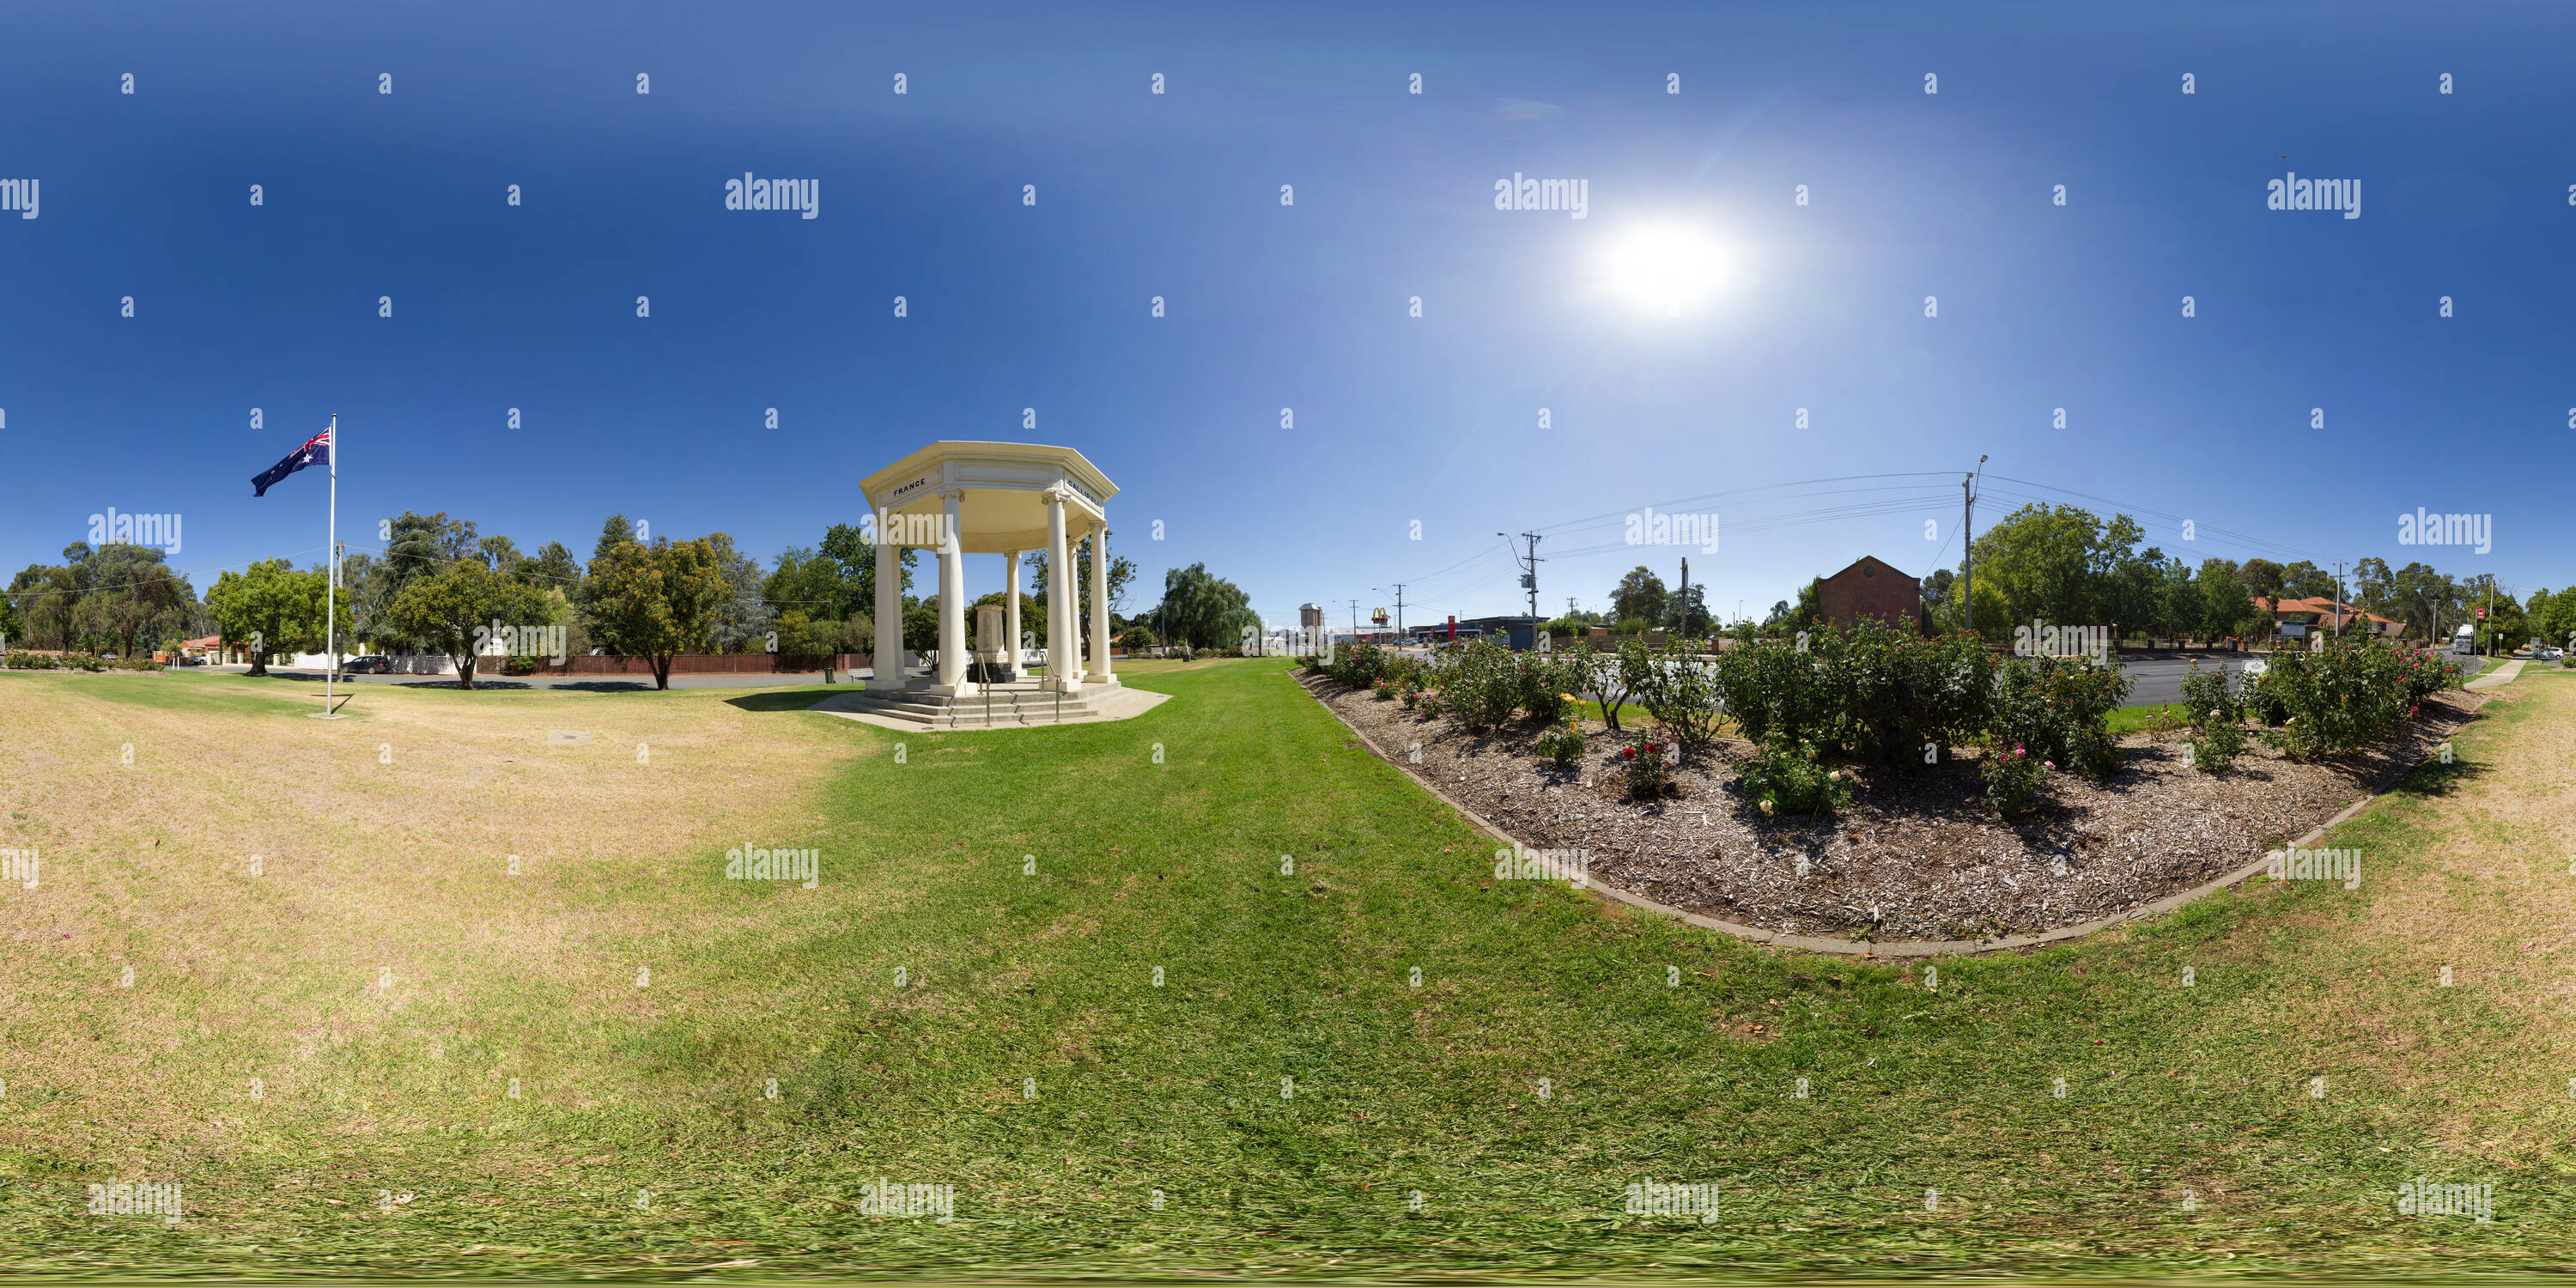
(1008, 499)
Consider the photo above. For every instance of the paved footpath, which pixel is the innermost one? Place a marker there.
(2501, 675)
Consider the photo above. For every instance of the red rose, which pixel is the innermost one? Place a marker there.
(1629, 753)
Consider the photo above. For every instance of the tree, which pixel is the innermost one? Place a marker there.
(743, 619)
(617, 531)
(1203, 610)
(802, 636)
(2304, 580)
(2057, 563)
(2505, 625)
(1810, 612)
(500, 554)
(656, 601)
(855, 555)
(553, 567)
(45, 595)
(2221, 605)
(1640, 594)
(2264, 580)
(1687, 611)
(1121, 572)
(419, 546)
(2371, 584)
(2132, 596)
(446, 609)
(1807, 613)
(2553, 617)
(130, 595)
(2428, 601)
(920, 628)
(267, 608)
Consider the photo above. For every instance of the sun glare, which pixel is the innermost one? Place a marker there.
(1668, 270)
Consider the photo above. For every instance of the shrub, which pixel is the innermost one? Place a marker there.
(1643, 763)
(1359, 664)
(2210, 695)
(1679, 688)
(1561, 743)
(1786, 777)
(2013, 776)
(1774, 686)
(2218, 743)
(1544, 685)
(2337, 698)
(1382, 691)
(1899, 690)
(1599, 674)
(1484, 685)
(2427, 673)
(519, 664)
(2057, 709)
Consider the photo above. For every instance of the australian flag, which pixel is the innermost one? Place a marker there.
(316, 451)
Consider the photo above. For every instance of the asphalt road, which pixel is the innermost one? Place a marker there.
(2159, 679)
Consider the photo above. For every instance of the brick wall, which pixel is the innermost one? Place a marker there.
(1870, 588)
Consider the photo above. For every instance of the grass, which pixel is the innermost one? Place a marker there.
(2125, 720)
(1064, 969)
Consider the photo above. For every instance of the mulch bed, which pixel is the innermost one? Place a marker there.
(1917, 855)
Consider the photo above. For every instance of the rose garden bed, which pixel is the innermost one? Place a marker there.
(1917, 855)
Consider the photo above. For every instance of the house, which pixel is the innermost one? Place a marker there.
(2296, 617)
(1871, 587)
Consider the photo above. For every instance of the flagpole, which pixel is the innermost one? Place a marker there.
(331, 586)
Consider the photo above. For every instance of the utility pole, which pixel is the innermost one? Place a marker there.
(2339, 609)
(1529, 569)
(1968, 524)
(1355, 619)
(2491, 626)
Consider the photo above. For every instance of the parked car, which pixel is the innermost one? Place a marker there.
(2546, 655)
(371, 664)
(107, 657)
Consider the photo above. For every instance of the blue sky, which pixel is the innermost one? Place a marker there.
(1398, 419)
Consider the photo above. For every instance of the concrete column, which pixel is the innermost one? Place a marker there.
(1063, 669)
(889, 663)
(1011, 607)
(1100, 603)
(952, 600)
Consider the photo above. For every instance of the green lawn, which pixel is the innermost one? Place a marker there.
(1161, 1006)
(2132, 719)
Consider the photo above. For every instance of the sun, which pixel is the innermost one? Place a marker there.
(1666, 269)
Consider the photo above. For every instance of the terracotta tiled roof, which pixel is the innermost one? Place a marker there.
(2326, 611)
